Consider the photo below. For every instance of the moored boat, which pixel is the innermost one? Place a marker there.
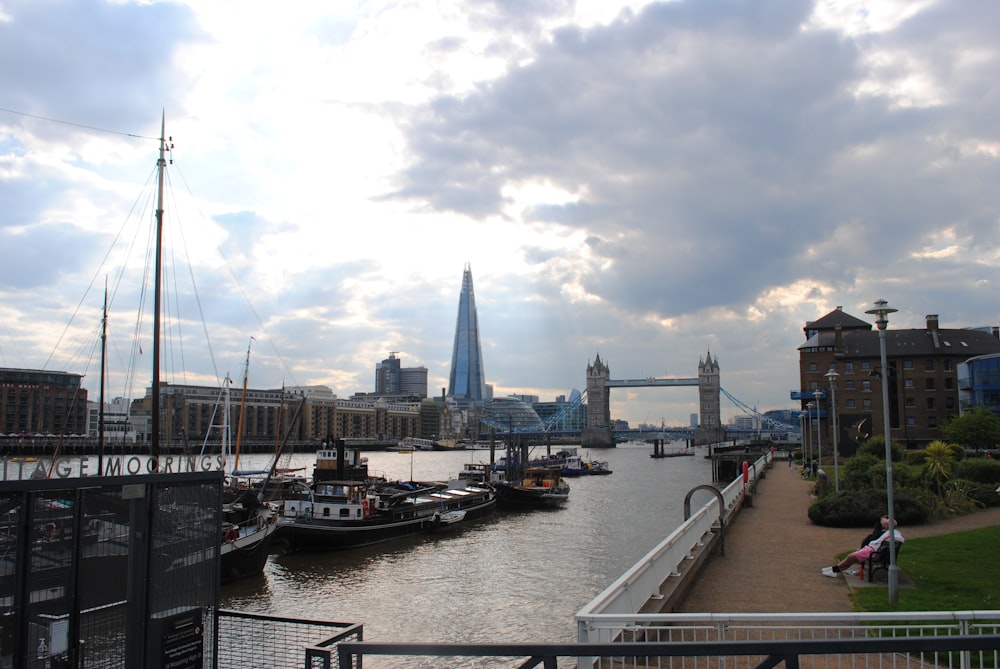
(536, 487)
(336, 515)
(447, 520)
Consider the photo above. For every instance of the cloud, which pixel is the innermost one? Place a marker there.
(647, 181)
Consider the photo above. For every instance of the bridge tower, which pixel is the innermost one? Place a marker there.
(597, 434)
(709, 407)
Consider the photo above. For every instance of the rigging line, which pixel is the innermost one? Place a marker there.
(194, 283)
(77, 125)
(239, 286)
(86, 292)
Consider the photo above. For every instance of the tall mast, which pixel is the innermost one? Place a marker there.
(155, 426)
(243, 407)
(104, 350)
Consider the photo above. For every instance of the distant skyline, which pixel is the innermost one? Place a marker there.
(647, 181)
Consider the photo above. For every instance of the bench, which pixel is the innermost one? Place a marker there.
(880, 560)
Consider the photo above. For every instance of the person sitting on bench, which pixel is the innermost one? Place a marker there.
(863, 553)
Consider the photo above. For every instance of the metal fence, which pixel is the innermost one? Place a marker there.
(853, 635)
(255, 640)
(868, 652)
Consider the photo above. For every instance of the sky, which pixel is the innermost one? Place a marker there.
(644, 181)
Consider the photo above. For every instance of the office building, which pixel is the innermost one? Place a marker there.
(467, 380)
(979, 383)
(41, 402)
(387, 375)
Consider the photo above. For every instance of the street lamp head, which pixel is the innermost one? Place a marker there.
(831, 376)
(882, 310)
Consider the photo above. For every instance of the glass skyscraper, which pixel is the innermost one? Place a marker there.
(468, 378)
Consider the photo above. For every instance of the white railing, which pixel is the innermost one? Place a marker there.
(643, 581)
(719, 628)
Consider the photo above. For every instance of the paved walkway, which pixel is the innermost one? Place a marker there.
(774, 553)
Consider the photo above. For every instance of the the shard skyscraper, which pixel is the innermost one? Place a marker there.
(468, 378)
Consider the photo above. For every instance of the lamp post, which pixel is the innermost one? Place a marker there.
(809, 414)
(819, 434)
(831, 376)
(802, 437)
(882, 310)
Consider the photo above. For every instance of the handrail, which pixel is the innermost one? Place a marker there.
(351, 653)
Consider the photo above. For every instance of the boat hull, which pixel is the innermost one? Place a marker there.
(521, 497)
(244, 556)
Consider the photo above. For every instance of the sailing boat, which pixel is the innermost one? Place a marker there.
(248, 522)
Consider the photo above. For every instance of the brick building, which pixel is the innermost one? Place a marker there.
(922, 376)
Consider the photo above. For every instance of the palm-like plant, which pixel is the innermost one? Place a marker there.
(939, 461)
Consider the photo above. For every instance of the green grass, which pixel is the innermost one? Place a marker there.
(954, 572)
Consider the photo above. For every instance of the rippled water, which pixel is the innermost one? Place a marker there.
(518, 576)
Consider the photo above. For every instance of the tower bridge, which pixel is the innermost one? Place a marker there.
(598, 434)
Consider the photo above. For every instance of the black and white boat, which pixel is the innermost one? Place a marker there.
(533, 488)
(341, 514)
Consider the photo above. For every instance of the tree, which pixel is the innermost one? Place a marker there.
(938, 463)
(979, 428)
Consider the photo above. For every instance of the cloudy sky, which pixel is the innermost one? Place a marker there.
(647, 181)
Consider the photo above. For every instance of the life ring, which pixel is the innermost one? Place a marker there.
(232, 534)
(364, 507)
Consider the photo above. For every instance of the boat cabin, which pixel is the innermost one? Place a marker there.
(331, 500)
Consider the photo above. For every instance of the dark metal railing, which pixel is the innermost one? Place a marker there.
(259, 640)
(765, 654)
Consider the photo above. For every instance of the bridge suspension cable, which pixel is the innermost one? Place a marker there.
(772, 423)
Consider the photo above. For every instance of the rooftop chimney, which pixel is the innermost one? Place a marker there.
(932, 322)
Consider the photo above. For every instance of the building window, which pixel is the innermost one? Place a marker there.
(866, 404)
(851, 404)
(814, 386)
(812, 367)
(907, 364)
(866, 386)
(911, 403)
(907, 383)
(849, 385)
(930, 402)
(949, 383)
(930, 384)
(848, 368)
(865, 366)
(911, 421)
(947, 365)
(932, 421)
(949, 403)
(929, 365)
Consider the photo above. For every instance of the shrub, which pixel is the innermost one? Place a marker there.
(956, 499)
(863, 508)
(979, 470)
(863, 472)
(876, 446)
(983, 494)
(905, 475)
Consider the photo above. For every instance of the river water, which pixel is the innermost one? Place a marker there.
(515, 577)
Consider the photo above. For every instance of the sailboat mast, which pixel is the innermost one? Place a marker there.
(104, 350)
(157, 290)
(243, 407)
